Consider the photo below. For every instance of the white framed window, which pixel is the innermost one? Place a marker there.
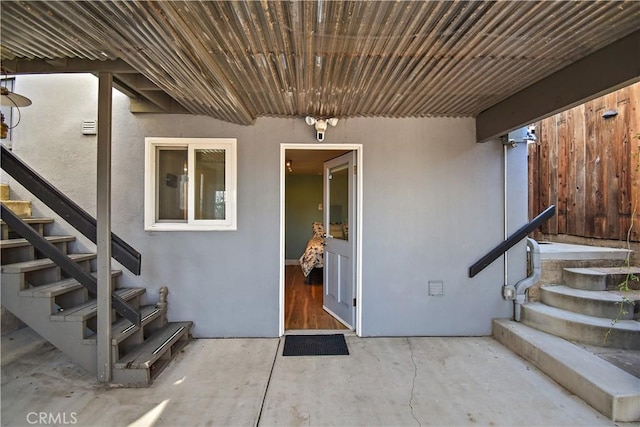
(190, 184)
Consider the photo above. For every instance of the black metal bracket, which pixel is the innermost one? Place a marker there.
(503, 247)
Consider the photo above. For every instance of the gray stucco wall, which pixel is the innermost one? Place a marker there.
(432, 205)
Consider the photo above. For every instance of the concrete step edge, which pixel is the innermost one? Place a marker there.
(569, 316)
(603, 304)
(597, 278)
(610, 390)
(622, 334)
(604, 296)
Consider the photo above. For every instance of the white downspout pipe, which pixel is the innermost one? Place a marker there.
(526, 283)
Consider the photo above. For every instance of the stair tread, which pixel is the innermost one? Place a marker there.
(143, 356)
(89, 309)
(35, 220)
(52, 289)
(606, 296)
(13, 243)
(603, 271)
(628, 325)
(124, 328)
(16, 201)
(609, 389)
(592, 367)
(59, 287)
(25, 266)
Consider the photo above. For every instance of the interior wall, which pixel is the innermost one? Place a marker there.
(303, 194)
(432, 205)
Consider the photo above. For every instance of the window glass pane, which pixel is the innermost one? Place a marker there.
(172, 184)
(209, 188)
(339, 202)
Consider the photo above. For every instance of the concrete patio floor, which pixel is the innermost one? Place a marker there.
(244, 382)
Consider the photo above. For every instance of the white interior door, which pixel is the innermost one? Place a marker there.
(340, 243)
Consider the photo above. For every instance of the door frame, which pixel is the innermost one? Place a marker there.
(359, 186)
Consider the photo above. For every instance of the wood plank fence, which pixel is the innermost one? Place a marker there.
(589, 167)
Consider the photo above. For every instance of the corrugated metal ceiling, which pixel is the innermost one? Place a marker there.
(240, 60)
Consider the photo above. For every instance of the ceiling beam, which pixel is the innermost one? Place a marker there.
(65, 65)
(138, 82)
(142, 100)
(610, 68)
(144, 105)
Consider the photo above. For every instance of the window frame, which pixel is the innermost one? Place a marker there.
(7, 110)
(152, 146)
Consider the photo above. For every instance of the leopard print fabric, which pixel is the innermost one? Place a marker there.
(313, 256)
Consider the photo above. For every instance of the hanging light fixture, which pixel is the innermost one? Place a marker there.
(10, 99)
(13, 100)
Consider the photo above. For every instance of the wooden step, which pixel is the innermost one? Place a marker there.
(40, 264)
(20, 250)
(145, 355)
(89, 309)
(5, 192)
(20, 243)
(36, 223)
(21, 208)
(123, 328)
(52, 289)
(58, 288)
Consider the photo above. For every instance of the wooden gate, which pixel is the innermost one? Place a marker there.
(586, 161)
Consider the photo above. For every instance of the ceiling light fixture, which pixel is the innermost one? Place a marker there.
(13, 100)
(321, 125)
(289, 164)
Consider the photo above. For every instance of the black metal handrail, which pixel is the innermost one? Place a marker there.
(67, 209)
(503, 247)
(66, 264)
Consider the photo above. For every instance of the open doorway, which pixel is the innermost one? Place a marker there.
(304, 291)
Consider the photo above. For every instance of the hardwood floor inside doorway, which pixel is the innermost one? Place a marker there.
(303, 303)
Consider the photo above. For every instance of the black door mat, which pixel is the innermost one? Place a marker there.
(315, 345)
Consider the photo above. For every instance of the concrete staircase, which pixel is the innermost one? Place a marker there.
(585, 309)
(589, 308)
(60, 309)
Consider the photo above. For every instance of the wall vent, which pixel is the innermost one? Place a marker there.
(89, 127)
(436, 288)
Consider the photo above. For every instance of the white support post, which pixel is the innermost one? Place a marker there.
(103, 237)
